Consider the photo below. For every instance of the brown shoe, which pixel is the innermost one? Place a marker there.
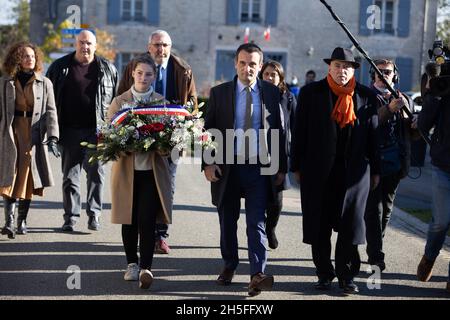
(448, 287)
(225, 277)
(260, 282)
(424, 269)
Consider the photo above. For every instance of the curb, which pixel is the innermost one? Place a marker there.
(415, 225)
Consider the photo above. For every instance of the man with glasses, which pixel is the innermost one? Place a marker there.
(396, 131)
(175, 81)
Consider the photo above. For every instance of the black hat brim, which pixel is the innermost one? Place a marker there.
(356, 65)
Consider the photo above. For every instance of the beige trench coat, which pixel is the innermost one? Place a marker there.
(122, 177)
(44, 124)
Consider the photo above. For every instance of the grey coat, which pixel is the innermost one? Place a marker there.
(44, 124)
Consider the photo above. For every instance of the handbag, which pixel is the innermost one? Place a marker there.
(390, 160)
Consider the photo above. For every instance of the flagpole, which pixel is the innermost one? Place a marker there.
(375, 68)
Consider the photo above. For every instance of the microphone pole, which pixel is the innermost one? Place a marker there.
(377, 71)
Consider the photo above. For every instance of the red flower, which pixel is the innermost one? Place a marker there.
(157, 127)
(151, 128)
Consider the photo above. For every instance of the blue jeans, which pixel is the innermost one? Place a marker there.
(440, 221)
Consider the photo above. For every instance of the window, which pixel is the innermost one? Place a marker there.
(251, 11)
(132, 10)
(123, 59)
(280, 57)
(388, 11)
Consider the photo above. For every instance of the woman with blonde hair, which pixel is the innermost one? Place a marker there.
(28, 122)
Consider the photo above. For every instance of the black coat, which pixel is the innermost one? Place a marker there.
(220, 116)
(436, 113)
(108, 81)
(313, 155)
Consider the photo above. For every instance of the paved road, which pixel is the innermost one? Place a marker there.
(34, 266)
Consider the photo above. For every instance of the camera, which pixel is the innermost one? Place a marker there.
(438, 70)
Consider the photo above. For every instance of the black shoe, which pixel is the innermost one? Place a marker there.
(323, 284)
(67, 227)
(93, 223)
(272, 238)
(22, 227)
(348, 286)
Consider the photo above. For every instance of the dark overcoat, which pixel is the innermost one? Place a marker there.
(221, 116)
(314, 150)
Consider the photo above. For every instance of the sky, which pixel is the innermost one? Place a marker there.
(5, 12)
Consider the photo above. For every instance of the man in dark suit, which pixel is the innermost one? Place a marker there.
(248, 105)
(335, 159)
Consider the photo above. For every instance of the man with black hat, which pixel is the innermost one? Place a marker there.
(336, 161)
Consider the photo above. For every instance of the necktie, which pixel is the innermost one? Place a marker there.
(159, 81)
(248, 125)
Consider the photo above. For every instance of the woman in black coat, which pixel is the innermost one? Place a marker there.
(273, 72)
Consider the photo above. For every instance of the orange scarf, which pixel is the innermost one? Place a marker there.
(343, 112)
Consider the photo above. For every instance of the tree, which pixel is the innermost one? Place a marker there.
(443, 25)
(19, 31)
(53, 42)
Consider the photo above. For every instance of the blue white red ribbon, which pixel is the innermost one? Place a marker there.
(162, 110)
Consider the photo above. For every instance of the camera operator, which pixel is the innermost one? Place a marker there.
(436, 114)
(396, 131)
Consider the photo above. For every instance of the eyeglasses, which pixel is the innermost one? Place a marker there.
(386, 72)
(164, 45)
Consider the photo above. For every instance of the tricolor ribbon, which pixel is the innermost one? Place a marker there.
(164, 110)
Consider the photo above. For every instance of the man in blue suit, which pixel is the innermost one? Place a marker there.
(251, 106)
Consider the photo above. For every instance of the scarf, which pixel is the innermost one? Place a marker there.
(141, 96)
(343, 112)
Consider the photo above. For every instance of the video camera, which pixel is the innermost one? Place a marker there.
(438, 70)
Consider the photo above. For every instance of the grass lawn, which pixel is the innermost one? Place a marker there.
(423, 215)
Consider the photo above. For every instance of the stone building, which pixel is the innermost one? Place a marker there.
(302, 32)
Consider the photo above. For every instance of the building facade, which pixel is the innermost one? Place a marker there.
(302, 32)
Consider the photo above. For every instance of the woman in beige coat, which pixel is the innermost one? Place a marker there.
(140, 185)
(28, 121)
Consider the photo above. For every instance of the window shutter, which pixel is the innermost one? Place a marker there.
(364, 76)
(404, 12)
(271, 12)
(363, 16)
(113, 11)
(233, 12)
(405, 69)
(153, 9)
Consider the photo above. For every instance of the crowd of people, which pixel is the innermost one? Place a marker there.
(347, 145)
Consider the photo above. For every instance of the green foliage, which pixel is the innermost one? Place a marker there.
(443, 26)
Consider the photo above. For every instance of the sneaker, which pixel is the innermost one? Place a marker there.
(424, 269)
(132, 273)
(94, 223)
(161, 247)
(145, 279)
